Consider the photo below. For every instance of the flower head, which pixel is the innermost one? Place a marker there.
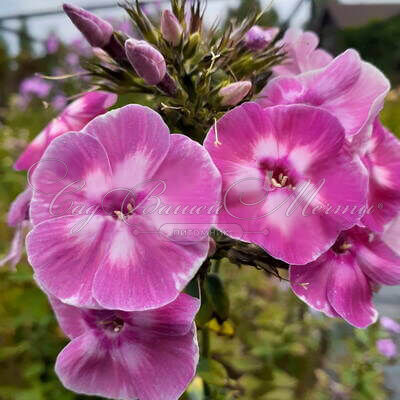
(35, 86)
(350, 89)
(290, 183)
(390, 325)
(302, 53)
(121, 212)
(73, 118)
(340, 282)
(387, 347)
(114, 354)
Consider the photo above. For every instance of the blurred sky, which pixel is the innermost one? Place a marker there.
(40, 27)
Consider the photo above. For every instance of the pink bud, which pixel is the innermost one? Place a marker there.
(147, 61)
(257, 38)
(234, 93)
(171, 29)
(97, 31)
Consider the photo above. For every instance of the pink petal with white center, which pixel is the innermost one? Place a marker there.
(192, 189)
(310, 282)
(136, 140)
(239, 141)
(350, 294)
(127, 367)
(382, 159)
(142, 270)
(73, 174)
(73, 118)
(65, 253)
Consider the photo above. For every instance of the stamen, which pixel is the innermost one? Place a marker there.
(346, 246)
(120, 215)
(275, 183)
(283, 180)
(129, 207)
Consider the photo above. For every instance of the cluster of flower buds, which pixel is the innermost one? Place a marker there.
(121, 209)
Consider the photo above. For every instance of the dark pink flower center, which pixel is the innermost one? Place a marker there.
(279, 175)
(342, 245)
(114, 324)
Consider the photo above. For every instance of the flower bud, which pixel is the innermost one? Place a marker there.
(234, 93)
(171, 29)
(97, 31)
(258, 38)
(147, 61)
(191, 46)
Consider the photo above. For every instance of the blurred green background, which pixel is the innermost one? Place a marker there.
(271, 348)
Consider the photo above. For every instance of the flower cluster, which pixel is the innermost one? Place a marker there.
(121, 208)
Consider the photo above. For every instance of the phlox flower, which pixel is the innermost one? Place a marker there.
(148, 355)
(290, 183)
(341, 282)
(121, 212)
(387, 347)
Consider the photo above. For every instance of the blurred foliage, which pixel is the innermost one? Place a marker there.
(378, 43)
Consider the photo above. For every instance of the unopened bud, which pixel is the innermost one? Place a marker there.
(97, 31)
(147, 61)
(234, 93)
(258, 38)
(191, 46)
(171, 29)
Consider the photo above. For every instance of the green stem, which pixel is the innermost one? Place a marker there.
(205, 343)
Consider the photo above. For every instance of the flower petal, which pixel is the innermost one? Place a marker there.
(65, 253)
(69, 318)
(383, 162)
(73, 174)
(174, 319)
(142, 269)
(192, 184)
(127, 367)
(73, 118)
(19, 208)
(350, 294)
(310, 282)
(378, 261)
(136, 140)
